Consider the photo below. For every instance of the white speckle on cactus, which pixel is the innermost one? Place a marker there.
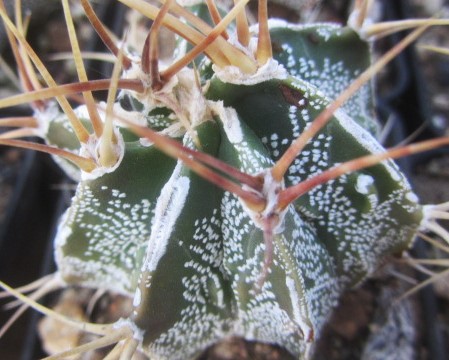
(273, 322)
(202, 328)
(326, 32)
(97, 275)
(331, 77)
(137, 297)
(411, 196)
(363, 183)
(115, 233)
(324, 28)
(201, 288)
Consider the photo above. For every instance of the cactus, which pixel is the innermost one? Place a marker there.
(235, 197)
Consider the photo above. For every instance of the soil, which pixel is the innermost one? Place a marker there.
(369, 323)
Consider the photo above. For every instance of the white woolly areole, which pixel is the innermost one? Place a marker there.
(361, 30)
(148, 98)
(137, 332)
(91, 150)
(135, 72)
(190, 97)
(431, 215)
(270, 191)
(82, 112)
(427, 212)
(168, 207)
(44, 118)
(233, 75)
(189, 2)
(180, 94)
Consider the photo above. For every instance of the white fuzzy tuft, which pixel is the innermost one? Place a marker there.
(432, 214)
(233, 75)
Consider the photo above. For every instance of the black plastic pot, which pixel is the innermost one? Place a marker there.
(25, 244)
(27, 230)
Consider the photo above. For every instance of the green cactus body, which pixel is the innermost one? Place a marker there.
(191, 253)
(344, 211)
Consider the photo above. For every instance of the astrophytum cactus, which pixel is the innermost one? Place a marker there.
(235, 197)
